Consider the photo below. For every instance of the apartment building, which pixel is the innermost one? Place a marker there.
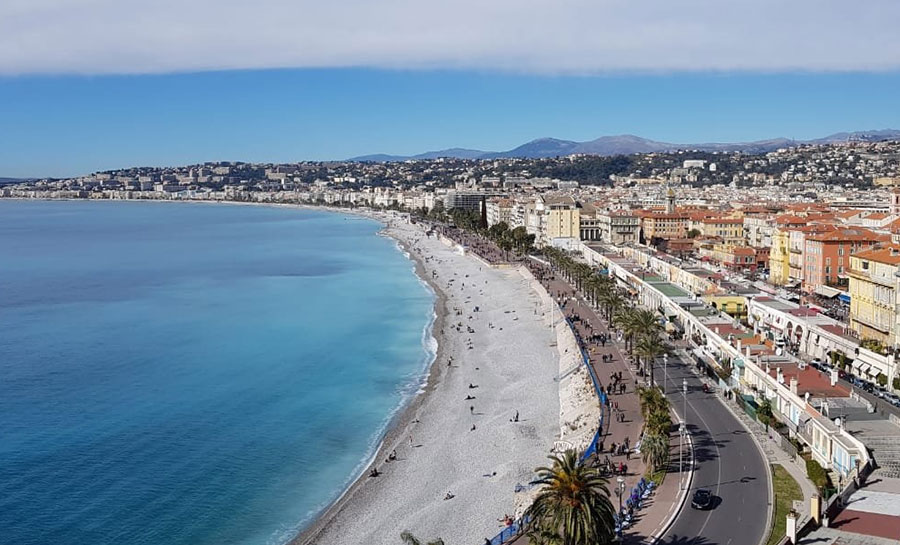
(619, 227)
(729, 230)
(827, 255)
(665, 226)
(873, 293)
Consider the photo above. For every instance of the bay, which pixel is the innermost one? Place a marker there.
(194, 373)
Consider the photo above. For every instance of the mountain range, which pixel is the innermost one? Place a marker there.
(627, 144)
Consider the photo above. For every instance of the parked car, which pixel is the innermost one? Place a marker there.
(702, 499)
(817, 363)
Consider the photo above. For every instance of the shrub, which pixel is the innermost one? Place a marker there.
(816, 474)
(896, 383)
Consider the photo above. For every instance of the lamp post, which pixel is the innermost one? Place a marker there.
(620, 489)
(682, 431)
(665, 374)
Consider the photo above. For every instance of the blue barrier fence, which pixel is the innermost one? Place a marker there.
(511, 531)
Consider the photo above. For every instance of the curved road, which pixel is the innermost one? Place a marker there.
(728, 463)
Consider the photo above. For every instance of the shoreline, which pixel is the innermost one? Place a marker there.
(406, 416)
(400, 424)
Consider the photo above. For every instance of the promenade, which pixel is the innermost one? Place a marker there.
(623, 422)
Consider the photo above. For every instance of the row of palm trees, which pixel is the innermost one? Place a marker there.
(641, 327)
(573, 504)
(657, 424)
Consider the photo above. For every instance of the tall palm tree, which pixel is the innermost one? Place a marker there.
(572, 506)
(655, 450)
(648, 349)
(409, 539)
(612, 302)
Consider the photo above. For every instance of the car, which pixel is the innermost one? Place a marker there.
(702, 499)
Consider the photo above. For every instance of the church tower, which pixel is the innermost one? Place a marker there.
(670, 201)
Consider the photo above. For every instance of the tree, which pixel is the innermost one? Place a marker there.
(881, 379)
(409, 539)
(572, 506)
(655, 450)
(764, 412)
(693, 233)
(648, 349)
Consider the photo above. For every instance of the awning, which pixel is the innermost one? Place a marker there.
(844, 297)
(827, 291)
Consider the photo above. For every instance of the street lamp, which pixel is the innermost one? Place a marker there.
(620, 489)
(682, 433)
(665, 374)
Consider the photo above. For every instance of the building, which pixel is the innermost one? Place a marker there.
(618, 227)
(779, 255)
(563, 217)
(827, 255)
(467, 200)
(729, 230)
(664, 226)
(873, 293)
(499, 210)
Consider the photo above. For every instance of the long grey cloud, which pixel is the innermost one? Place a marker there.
(530, 36)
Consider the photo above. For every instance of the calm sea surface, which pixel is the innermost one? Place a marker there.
(193, 374)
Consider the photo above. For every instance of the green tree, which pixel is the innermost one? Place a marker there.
(764, 412)
(693, 233)
(648, 348)
(572, 506)
(655, 450)
(409, 539)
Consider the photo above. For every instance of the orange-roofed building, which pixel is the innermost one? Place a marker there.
(827, 255)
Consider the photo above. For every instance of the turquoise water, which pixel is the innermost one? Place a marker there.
(193, 374)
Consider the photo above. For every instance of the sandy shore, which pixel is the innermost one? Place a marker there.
(514, 363)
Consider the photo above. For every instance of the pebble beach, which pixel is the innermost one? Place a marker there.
(488, 416)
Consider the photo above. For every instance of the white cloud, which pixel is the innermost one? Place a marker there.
(532, 36)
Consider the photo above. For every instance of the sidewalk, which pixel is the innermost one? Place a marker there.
(659, 510)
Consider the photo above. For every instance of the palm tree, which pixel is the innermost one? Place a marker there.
(652, 401)
(655, 450)
(409, 539)
(572, 506)
(612, 301)
(647, 322)
(648, 349)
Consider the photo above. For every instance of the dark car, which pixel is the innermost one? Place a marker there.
(702, 499)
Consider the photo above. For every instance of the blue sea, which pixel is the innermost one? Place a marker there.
(194, 374)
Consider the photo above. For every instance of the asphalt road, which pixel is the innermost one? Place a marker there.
(727, 462)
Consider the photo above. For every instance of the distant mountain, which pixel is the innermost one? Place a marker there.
(536, 149)
(626, 144)
(6, 181)
(859, 136)
(457, 153)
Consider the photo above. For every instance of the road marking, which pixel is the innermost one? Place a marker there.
(718, 457)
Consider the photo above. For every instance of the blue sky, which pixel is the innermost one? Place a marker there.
(70, 125)
(99, 84)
